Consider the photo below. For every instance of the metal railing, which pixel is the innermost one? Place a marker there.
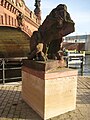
(75, 58)
(10, 69)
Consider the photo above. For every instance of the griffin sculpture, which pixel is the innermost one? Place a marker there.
(46, 42)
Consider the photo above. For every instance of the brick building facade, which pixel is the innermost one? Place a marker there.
(10, 9)
(17, 23)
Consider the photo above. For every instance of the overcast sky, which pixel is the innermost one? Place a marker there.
(79, 11)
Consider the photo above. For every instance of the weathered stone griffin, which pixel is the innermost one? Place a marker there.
(46, 42)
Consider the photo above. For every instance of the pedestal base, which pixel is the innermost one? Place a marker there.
(49, 93)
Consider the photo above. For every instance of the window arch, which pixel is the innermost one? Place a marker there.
(1, 2)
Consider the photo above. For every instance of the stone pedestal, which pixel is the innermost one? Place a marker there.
(49, 92)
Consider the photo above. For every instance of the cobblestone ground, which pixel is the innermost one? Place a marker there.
(12, 107)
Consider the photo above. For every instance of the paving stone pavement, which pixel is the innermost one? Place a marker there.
(12, 106)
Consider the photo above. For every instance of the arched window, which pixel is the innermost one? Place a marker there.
(5, 19)
(1, 2)
(5, 4)
(15, 22)
(1, 19)
(9, 20)
(12, 21)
